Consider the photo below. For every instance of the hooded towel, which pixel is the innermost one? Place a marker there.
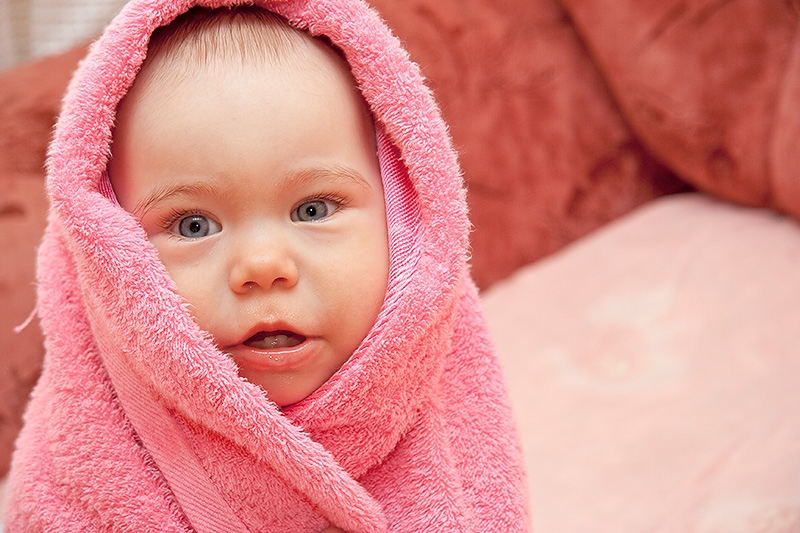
(139, 423)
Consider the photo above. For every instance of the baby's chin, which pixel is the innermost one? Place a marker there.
(283, 389)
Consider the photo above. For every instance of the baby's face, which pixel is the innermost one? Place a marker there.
(261, 191)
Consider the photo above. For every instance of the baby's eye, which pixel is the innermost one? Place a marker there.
(196, 227)
(313, 210)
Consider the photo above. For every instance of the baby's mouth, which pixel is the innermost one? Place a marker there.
(271, 340)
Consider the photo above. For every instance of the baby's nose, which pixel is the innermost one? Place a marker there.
(264, 263)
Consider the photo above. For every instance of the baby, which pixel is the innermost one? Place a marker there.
(255, 292)
(248, 156)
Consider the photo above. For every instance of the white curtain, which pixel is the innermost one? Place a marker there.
(30, 29)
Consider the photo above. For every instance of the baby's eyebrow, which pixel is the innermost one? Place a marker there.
(165, 192)
(339, 173)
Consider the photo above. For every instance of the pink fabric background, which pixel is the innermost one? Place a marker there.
(657, 389)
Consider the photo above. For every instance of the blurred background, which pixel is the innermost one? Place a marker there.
(31, 29)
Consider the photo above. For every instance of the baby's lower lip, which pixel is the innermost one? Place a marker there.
(274, 340)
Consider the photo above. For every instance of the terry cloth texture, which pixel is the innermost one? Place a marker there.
(139, 423)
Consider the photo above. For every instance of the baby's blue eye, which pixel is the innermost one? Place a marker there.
(311, 211)
(196, 227)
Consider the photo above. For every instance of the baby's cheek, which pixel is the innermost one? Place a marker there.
(201, 293)
(196, 285)
(191, 266)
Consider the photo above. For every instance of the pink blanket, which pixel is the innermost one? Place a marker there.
(140, 424)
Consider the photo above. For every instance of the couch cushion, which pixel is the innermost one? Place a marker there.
(23, 209)
(718, 107)
(654, 366)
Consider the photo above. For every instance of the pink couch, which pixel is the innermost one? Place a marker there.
(654, 368)
(568, 115)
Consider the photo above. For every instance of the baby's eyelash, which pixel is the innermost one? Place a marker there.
(175, 215)
(333, 198)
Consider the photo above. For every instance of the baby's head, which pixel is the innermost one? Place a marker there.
(248, 156)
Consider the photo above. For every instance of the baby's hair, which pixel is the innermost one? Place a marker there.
(201, 36)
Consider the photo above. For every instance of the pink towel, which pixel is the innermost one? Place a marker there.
(140, 424)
